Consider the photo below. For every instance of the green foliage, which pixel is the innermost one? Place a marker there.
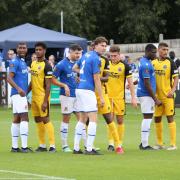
(125, 21)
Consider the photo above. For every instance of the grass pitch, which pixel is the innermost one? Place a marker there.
(134, 164)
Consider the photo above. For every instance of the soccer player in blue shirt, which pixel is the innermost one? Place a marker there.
(68, 83)
(18, 79)
(146, 93)
(89, 69)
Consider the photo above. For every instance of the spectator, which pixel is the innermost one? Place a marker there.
(10, 55)
(172, 56)
(51, 60)
(131, 64)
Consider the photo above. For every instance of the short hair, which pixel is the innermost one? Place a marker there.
(21, 44)
(171, 53)
(150, 47)
(114, 48)
(41, 44)
(162, 44)
(99, 40)
(75, 47)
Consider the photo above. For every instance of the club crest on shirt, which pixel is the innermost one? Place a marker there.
(165, 67)
(39, 67)
(66, 109)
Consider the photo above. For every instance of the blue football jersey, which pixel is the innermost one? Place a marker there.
(89, 65)
(19, 68)
(146, 70)
(63, 71)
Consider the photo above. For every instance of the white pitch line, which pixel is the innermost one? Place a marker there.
(32, 174)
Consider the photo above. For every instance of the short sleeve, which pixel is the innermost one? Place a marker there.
(13, 66)
(106, 67)
(47, 70)
(96, 63)
(145, 69)
(128, 71)
(57, 70)
(174, 70)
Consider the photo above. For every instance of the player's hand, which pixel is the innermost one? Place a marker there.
(134, 102)
(158, 102)
(67, 90)
(102, 102)
(44, 106)
(21, 92)
(170, 94)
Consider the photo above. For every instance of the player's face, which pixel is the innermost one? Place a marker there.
(22, 50)
(40, 52)
(163, 52)
(75, 55)
(115, 57)
(101, 48)
(152, 54)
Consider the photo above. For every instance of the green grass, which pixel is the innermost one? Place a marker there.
(134, 164)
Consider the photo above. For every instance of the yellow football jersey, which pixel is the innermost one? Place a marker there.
(39, 72)
(165, 70)
(117, 79)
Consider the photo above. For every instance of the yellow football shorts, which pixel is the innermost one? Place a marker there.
(117, 106)
(167, 108)
(36, 107)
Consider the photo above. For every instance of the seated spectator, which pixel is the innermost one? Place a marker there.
(10, 55)
(131, 64)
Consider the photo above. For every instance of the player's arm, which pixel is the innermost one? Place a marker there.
(48, 78)
(12, 69)
(97, 83)
(174, 75)
(150, 91)
(132, 91)
(105, 76)
(62, 85)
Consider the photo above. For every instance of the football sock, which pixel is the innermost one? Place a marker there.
(145, 129)
(15, 134)
(78, 134)
(50, 131)
(110, 137)
(91, 135)
(84, 135)
(24, 133)
(113, 130)
(172, 129)
(41, 133)
(159, 135)
(121, 129)
(64, 133)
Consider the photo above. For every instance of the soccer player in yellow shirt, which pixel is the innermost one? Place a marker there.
(166, 74)
(118, 73)
(41, 75)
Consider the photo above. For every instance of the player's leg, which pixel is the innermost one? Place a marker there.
(50, 132)
(147, 109)
(79, 129)
(159, 126)
(36, 109)
(169, 112)
(15, 133)
(66, 109)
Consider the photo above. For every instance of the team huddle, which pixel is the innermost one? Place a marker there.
(89, 84)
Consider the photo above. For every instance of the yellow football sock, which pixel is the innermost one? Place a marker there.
(110, 137)
(41, 132)
(50, 130)
(114, 133)
(121, 132)
(172, 129)
(159, 133)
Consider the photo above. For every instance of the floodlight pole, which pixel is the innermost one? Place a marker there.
(61, 21)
